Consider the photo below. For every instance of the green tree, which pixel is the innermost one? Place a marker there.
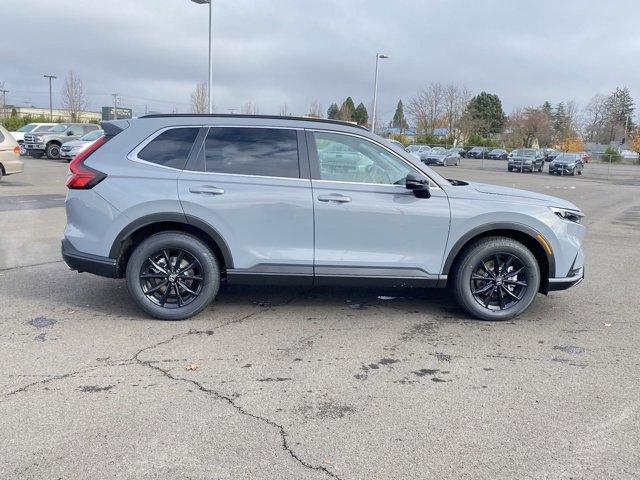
(399, 121)
(348, 110)
(547, 109)
(486, 114)
(560, 121)
(361, 116)
(333, 112)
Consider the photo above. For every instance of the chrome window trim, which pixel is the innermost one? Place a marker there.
(433, 183)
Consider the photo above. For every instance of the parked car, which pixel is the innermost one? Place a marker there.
(70, 149)
(10, 162)
(30, 128)
(477, 152)
(497, 154)
(448, 157)
(417, 150)
(526, 160)
(566, 164)
(629, 155)
(180, 202)
(550, 154)
(432, 151)
(48, 143)
(460, 150)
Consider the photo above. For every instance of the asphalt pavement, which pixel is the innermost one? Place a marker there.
(290, 383)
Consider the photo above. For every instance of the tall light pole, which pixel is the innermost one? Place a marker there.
(4, 100)
(115, 105)
(210, 2)
(50, 77)
(375, 92)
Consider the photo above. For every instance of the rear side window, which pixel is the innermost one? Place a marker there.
(171, 148)
(266, 152)
(1, 137)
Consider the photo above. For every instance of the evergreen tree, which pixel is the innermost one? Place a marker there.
(485, 110)
(399, 121)
(361, 116)
(348, 110)
(560, 121)
(333, 112)
(547, 110)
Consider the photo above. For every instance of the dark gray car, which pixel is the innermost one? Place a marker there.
(567, 164)
(526, 160)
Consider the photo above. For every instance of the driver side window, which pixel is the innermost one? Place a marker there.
(346, 158)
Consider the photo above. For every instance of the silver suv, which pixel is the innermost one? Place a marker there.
(179, 203)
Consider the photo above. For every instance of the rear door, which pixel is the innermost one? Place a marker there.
(251, 185)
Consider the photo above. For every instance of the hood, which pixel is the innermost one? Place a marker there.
(516, 192)
(74, 143)
(436, 155)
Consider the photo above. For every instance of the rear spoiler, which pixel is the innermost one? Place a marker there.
(114, 127)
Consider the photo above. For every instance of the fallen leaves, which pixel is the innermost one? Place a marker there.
(192, 367)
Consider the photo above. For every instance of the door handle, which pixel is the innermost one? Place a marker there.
(207, 190)
(334, 197)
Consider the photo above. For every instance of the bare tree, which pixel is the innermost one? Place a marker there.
(528, 126)
(595, 117)
(315, 110)
(284, 110)
(200, 98)
(426, 109)
(73, 97)
(456, 99)
(249, 109)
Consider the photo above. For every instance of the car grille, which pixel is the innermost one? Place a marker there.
(29, 138)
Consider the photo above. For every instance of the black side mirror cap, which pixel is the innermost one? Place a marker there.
(418, 184)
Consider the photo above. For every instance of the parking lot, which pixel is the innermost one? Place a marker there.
(322, 383)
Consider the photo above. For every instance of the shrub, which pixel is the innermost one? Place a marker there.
(611, 153)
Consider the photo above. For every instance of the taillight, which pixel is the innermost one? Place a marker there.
(16, 150)
(83, 177)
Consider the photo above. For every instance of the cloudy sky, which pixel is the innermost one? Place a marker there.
(152, 52)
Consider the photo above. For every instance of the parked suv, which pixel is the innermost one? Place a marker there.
(48, 143)
(179, 203)
(526, 160)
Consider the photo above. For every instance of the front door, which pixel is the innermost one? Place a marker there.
(366, 222)
(246, 183)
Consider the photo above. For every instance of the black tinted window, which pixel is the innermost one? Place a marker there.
(252, 151)
(171, 148)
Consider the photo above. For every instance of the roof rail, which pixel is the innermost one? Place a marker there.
(266, 117)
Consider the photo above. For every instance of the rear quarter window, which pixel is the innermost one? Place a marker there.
(171, 148)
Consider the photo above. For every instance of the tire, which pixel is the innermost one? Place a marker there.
(0, 173)
(579, 172)
(510, 169)
(203, 279)
(469, 264)
(53, 151)
(573, 172)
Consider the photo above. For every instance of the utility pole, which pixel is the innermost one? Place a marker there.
(115, 105)
(50, 77)
(4, 100)
(379, 56)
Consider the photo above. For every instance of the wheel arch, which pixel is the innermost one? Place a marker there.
(521, 233)
(138, 230)
(54, 141)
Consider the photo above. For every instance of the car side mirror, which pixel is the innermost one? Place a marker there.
(418, 185)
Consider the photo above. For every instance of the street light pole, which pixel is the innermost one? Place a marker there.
(115, 105)
(4, 100)
(375, 92)
(210, 88)
(50, 77)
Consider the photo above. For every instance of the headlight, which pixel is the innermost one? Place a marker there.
(566, 214)
(37, 139)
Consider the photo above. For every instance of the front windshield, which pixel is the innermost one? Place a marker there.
(27, 128)
(91, 136)
(525, 153)
(59, 128)
(567, 158)
(438, 150)
(413, 148)
(43, 128)
(496, 150)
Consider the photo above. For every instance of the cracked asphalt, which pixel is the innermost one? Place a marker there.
(275, 383)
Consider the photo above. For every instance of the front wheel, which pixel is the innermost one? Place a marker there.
(53, 151)
(173, 275)
(496, 278)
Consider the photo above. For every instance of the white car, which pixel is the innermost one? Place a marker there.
(30, 128)
(417, 150)
(629, 154)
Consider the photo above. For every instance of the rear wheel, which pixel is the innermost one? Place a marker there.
(173, 275)
(496, 278)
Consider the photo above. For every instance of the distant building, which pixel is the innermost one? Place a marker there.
(58, 114)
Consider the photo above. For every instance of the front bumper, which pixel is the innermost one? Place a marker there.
(567, 282)
(85, 262)
(34, 146)
(562, 169)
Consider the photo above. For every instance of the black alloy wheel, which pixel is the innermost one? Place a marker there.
(171, 278)
(499, 281)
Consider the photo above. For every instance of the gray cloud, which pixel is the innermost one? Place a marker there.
(153, 52)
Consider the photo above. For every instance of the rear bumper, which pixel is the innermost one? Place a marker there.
(85, 262)
(567, 282)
